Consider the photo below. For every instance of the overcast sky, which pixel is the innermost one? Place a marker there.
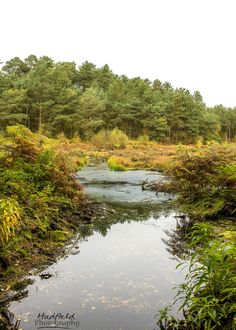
(190, 43)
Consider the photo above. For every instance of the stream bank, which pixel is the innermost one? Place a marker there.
(117, 272)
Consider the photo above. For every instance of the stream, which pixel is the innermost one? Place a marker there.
(117, 273)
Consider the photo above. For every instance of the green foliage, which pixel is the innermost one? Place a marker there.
(115, 164)
(60, 235)
(114, 139)
(91, 107)
(206, 180)
(81, 161)
(208, 294)
(143, 139)
(40, 180)
(10, 218)
(199, 142)
(58, 97)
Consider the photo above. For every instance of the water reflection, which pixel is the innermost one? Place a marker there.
(178, 237)
(106, 185)
(117, 273)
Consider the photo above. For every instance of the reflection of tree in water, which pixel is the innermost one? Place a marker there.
(120, 212)
(113, 213)
(176, 244)
(7, 320)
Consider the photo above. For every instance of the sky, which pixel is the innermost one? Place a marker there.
(190, 43)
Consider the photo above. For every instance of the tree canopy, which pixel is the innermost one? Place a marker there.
(61, 97)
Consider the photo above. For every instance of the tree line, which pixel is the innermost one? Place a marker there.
(60, 97)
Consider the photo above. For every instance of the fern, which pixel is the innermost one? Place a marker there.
(10, 218)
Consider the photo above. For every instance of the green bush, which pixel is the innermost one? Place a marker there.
(115, 164)
(206, 181)
(143, 139)
(41, 181)
(114, 139)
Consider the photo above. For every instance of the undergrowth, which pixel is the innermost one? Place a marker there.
(205, 180)
(39, 192)
(208, 295)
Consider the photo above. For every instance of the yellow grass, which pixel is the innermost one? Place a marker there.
(137, 154)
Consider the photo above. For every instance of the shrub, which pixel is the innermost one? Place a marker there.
(40, 180)
(100, 139)
(199, 142)
(206, 181)
(115, 163)
(26, 144)
(119, 139)
(114, 139)
(143, 139)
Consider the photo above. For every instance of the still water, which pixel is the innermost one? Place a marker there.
(119, 274)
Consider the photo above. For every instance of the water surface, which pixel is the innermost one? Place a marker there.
(124, 186)
(120, 274)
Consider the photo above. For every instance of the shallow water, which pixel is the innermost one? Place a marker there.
(119, 186)
(121, 274)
